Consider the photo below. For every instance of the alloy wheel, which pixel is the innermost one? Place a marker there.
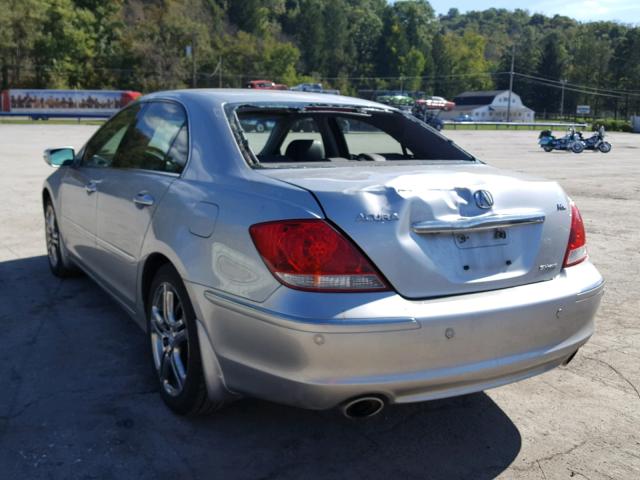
(169, 338)
(52, 236)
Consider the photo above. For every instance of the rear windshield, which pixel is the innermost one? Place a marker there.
(277, 136)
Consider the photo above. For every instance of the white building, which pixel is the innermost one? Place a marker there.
(489, 106)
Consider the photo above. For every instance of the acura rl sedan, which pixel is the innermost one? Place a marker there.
(365, 261)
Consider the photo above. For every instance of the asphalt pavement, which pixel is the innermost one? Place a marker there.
(78, 399)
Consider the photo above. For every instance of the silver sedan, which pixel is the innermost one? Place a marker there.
(348, 256)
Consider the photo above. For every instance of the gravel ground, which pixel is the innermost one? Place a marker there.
(77, 399)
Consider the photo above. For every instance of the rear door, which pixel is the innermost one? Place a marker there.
(151, 156)
(78, 191)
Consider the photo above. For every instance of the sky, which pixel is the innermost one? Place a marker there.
(627, 11)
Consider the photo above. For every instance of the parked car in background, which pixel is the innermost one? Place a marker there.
(463, 118)
(353, 267)
(433, 120)
(266, 85)
(257, 125)
(435, 103)
(401, 102)
(314, 87)
(427, 110)
(308, 87)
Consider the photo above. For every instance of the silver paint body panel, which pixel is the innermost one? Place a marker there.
(316, 350)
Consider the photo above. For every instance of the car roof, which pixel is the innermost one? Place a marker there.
(219, 96)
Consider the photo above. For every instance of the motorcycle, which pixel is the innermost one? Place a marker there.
(596, 142)
(570, 142)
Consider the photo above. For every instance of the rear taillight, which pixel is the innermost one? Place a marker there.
(312, 255)
(577, 246)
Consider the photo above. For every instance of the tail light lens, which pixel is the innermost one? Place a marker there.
(312, 255)
(577, 247)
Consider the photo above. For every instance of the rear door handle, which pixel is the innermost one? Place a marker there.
(143, 199)
(91, 187)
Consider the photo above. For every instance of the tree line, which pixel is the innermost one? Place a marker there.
(351, 45)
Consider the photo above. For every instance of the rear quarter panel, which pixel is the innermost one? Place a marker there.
(203, 228)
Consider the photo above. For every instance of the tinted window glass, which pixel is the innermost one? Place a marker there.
(102, 148)
(177, 157)
(148, 145)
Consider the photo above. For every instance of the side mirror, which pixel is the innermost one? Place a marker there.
(58, 157)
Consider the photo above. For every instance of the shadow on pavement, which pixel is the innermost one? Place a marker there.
(77, 400)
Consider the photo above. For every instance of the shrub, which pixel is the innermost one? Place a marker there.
(612, 125)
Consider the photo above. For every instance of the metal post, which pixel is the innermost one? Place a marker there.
(562, 99)
(513, 62)
(220, 73)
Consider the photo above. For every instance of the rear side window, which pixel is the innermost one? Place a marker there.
(158, 140)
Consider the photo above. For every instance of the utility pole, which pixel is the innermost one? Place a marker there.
(626, 106)
(220, 73)
(511, 73)
(563, 82)
(194, 80)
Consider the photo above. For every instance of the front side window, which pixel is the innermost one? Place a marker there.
(158, 141)
(102, 148)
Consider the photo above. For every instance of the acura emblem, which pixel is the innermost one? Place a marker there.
(483, 199)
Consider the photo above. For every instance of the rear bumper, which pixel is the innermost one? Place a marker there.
(318, 350)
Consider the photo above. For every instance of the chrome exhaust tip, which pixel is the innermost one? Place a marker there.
(362, 407)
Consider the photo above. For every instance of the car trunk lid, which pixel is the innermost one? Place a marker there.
(445, 229)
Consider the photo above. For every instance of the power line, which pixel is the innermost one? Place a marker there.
(423, 77)
(528, 78)
(584, 87)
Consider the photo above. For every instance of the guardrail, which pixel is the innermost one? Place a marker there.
(508, 125)
(46, 116)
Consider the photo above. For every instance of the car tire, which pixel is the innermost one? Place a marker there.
(173, 341)
(57, 254)
(260, 127)
(604, 147)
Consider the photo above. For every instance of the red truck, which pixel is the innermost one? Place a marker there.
(266, 85)
(44, 104)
